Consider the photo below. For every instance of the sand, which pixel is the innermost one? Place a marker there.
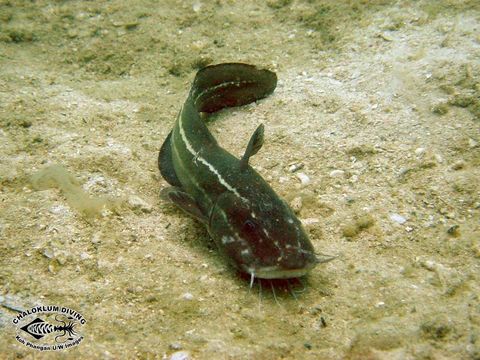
(373, 136)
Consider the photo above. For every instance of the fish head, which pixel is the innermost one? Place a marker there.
(262, 238)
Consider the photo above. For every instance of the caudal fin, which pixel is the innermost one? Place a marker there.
(230, 84)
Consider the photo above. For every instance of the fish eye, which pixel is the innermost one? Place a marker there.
(249, 226)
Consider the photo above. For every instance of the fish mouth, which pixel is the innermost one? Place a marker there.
(275, 272)
(278, 272)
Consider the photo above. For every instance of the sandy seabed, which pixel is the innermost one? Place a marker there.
(372, 135)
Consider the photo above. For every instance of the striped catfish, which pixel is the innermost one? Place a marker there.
(255, 229)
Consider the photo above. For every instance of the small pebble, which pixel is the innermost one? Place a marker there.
(58, 209)
(458, 165)
(96, 238)
(175, 346)
(337, 173)
(310, 221)
(353, 179)
(137, 203)
(304, 179)
(439, 158)
(420, 151)
(48, 253)
(61, 258)
(398, 218)
(187, 296)
(197, 5)
(295, 167)
(431, 265)
(180, 355)
(84, 256)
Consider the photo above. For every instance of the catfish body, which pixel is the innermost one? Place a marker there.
(250, 224)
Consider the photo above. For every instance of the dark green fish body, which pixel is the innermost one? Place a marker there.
(250, 224)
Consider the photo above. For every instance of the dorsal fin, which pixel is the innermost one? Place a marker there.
(254, 145)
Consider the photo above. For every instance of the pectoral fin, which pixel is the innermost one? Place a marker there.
(254, 145)
(184, 201)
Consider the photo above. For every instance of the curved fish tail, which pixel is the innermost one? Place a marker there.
(231, 84)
